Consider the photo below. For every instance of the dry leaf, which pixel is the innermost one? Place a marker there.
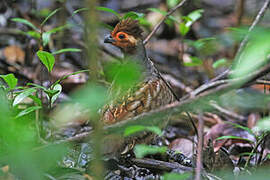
(14, 54)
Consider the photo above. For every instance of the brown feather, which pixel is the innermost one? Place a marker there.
(128, 26)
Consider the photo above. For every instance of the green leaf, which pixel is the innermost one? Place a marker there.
(234, 137)
(67, 50)
(26, 22)
(27, 111)
(10, 79)
(99, 8)
(37, 86)
(263, 124)
(36, 100)
(57, 87)
(33, 34)
(194, 15)
(47, 59)
(142, 150)
(19, 98)
(66, 76)
(79, 10)
(49, 16)
(241, 127)
(174, 176)
(219, 63)
(164, 13)
(51, 92)
(59, 28)
(133, 15)
(138, 128)
(194, 62)
(46, 38)
(183, 29)
(172, 3)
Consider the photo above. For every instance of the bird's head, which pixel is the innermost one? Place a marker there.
(126, 35)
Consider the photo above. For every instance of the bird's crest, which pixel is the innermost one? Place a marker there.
(128, 26)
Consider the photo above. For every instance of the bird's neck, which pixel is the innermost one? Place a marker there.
(139, 55)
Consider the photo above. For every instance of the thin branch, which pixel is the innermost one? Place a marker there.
(198, 169)
(162, 20)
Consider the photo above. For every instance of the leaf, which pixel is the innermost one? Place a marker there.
(67, 50)
(36, 100)
(174, 176)
(33, 34)
(263, 124)
(138, 128)
(79, 10)
(36, 85)
(19, 98)
(133, 15)
(183, 29)
(164, 13)
(57, 87)
(219, 63)
(10, 79)
(47, 59)
(142, 150)
(172, 3)
(234, 137)
(194, 15)
(99, 8)
(241, 127)
(46, 38)
(27, 111)
(195, 62)
(26, 22)
(49, 16)
(66, 76)
(59, 28)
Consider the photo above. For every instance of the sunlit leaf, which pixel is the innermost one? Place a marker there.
(46, 38)
(142, 150)
(99, 8)
(57, 87)
(19, 98)
(263, 124)
(26, 22)
(66, 76)
(254, 55)
(10, 79)
(67, 50)
(172, 3)
(49, 16)
(133, 15)
(234, 137)
(220, 63)
(138, 128)
(174, 176)
(183, 29)
(194, 15)
(163, 13)
(47, 59)
(194, 62)
(27, 111)
(33, 34)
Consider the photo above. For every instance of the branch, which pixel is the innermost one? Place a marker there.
(162, 20)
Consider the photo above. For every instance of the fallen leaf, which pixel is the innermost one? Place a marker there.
(14, 54)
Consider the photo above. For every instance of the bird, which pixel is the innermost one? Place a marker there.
(149, 94)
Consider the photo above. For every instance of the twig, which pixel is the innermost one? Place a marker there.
(160, 165)
(255, 22)
(198, 169)
(162, 20)
(227, 112)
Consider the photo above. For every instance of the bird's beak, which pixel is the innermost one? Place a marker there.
(109, 39)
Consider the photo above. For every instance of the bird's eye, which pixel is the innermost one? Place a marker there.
(121, 36)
